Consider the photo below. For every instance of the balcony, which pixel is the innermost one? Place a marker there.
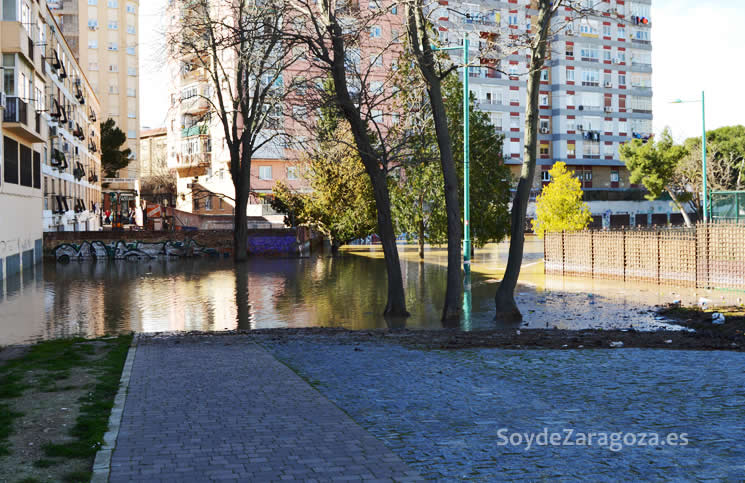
(195, 130)
(15, 39)
(15, 120)
(195, 105)
(196, 164)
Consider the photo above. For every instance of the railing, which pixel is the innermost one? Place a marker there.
(16, 111)
(195, 130)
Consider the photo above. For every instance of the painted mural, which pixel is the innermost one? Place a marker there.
(120, 250)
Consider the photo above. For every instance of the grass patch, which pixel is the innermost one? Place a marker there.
(45, 368)
(93, 421)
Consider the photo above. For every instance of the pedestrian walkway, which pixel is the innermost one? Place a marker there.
(219, 408)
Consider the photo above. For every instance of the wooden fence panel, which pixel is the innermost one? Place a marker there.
(677, 257)
(554, 253)
(726, 263)
(642, 255)
(578, 253)
(608, 255)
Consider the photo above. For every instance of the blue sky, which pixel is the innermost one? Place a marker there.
(696, 45)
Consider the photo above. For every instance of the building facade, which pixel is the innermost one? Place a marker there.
(72, 160)
(596, 90)
(49, 174)
(103, 35)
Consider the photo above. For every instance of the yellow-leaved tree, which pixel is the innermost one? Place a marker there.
(559, 207)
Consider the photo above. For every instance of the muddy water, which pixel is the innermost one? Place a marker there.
(90, 298)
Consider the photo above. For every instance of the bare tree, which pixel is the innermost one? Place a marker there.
(241, 47)
(336, 33)
(418, 29)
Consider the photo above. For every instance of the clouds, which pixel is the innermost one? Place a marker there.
(697, 46)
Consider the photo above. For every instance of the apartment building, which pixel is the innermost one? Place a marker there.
(596, 90)
(103, 35)
(72, 155)
(49, 169)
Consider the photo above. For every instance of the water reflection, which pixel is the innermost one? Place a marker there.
(96, 298)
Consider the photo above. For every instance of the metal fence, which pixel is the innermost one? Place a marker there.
(708, 256)
(728, 206)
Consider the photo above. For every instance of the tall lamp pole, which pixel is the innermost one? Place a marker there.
(703, 150)
(466, 156)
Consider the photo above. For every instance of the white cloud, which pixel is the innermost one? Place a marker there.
(697, 46)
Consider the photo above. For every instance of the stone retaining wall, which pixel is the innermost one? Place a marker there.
(261, 242)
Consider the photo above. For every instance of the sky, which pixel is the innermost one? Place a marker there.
(696, 45)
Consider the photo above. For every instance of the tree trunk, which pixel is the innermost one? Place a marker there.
(243, 314)
(506, 307)
(419, 38)
(240, 231)
(396, 304)
(421, 239)
(686, 218)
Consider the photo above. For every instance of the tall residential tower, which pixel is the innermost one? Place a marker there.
(103, 35)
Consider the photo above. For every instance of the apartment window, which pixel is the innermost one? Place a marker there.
(130, 50)
(292, 173)
(394, 9)
(374, 4)
(642, 35)
(546, 176)
(376, 87)
(376, 59)
(570, 125)
(132, 115)
(589, 54)
(92, 65)
(113, 25)
(395, 36)
(93, 44)
(376, 31)
(113, 89)
(607, 55)
(614, 176)
(395, 118)
(609, 150)
(512, 19)
(543, 100)
(131, 29)
(113, 46)
(9, 74)
(543, 150)
(113, 4)
(92, 23)
(590, 78)
(622, 127)
(132, 71)
(131, 92)
(544, 75)
(621, 33)
(606, 31)
(131, 8)
(570, 149)
(377, 115)
(621, 79)
(92, 2)
(195, 204)
(570, 75)
(208, 203)
(514, 122)
(11, 160)
(591, 149)
(131, 134)
(265, 172)
(113, 68)
(569, 51)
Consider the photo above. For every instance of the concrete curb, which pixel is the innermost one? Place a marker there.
(102, 463)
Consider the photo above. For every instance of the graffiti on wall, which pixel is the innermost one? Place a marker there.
(120, 250)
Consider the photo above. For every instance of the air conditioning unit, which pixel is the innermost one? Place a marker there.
(608, 84)
(608, 109)
(544, 130)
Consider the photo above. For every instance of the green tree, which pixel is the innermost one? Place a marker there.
(654, 164)
(113, 158)
(341, 205)
(559, 207)
(418, 197)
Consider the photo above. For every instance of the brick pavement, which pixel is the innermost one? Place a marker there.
(215, 409)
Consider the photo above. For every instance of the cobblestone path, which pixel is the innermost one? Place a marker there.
(207, 409)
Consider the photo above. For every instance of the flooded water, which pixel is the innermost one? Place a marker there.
(96, 298)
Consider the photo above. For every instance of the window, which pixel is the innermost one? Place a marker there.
(374, 4)
(11, 160)
(514, 122)
(395, 118)
(609, 150)
(113, 25)
(377, 115)
(543, 99)
(113, 3)
(395, 36)
(376, 59)
(546, 176)
(376, 31)
(606, 31)
(622, 127)
(92, 2)
(195, 203)
(131, 29)
(113, 89)
(394, 9)
(621, 33)
(570, 149)
(292, 173)
(590, 78)
(641, 35)
(512, 19)
(571, 125)
(589, 54)
(544, 75)
(132, 71)
(113, 68)
(570, 75)
(132, 115)
(131, 92)
(543, 150)
(113, 46)
(621, 79)
(132, 134)
(93, 44)
(92, 23)
(376, 87)
(131, 8)
(614, 176)
(607, 55)
(208, 203)
(130, 50)
(265, 172)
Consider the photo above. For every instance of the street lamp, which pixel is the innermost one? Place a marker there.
(703, 148)
(466, 156)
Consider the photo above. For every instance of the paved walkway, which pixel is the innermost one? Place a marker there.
(222, 408)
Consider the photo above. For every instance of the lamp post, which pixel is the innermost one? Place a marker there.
(466, 157)
(703, 149)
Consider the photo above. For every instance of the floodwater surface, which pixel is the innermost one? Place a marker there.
(95, 298)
